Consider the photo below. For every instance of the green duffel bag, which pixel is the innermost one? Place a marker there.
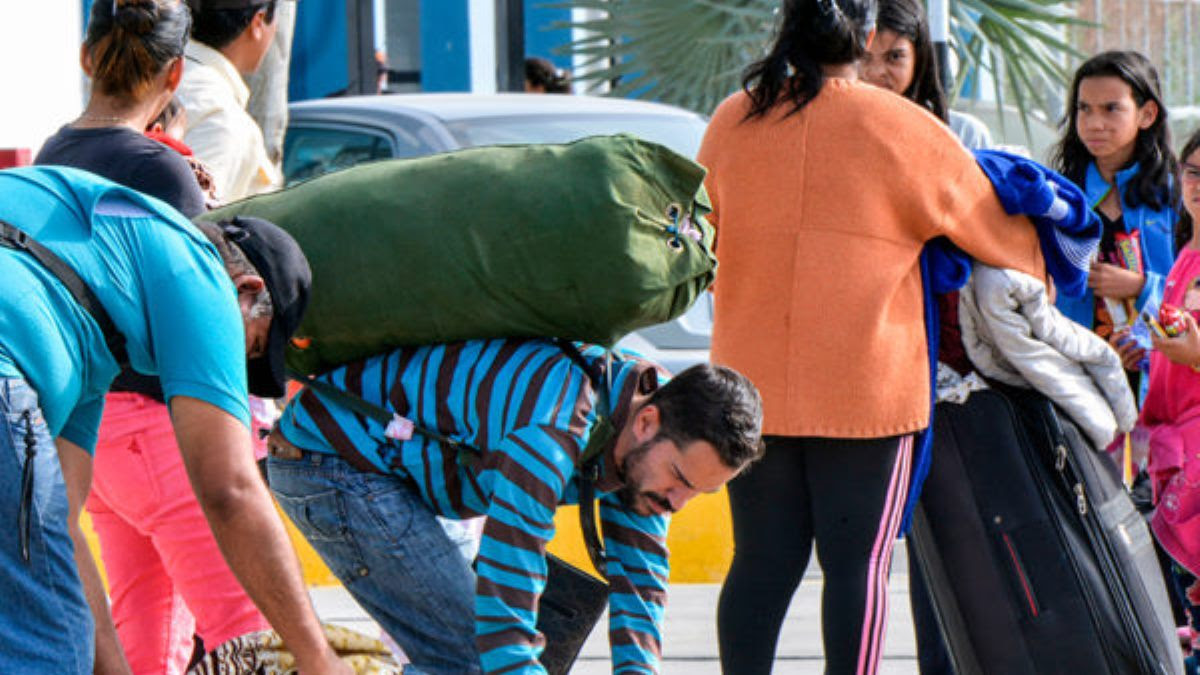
(586, 241)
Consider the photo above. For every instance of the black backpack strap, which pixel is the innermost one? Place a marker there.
(589, 460)
(466, 453)
(18, 240)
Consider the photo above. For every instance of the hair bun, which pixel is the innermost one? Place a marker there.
(135, 16)
(829, 15)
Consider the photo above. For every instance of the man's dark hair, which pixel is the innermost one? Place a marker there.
(714, 404)
(218, 27)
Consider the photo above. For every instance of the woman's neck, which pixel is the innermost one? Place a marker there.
(108, 111)
(845, 71)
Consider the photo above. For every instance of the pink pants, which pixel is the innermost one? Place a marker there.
(166, 576)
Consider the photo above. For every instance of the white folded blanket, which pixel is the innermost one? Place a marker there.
(1013, 334)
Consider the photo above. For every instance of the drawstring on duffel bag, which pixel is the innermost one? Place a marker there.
(23, 515)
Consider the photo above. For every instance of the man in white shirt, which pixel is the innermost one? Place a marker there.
(229, 40)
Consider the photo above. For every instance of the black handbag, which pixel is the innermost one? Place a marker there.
(573, 600)
(571, 605)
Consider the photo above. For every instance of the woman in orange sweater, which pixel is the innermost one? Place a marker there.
(824, 192)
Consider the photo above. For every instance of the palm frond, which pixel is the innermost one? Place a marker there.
(691, 53)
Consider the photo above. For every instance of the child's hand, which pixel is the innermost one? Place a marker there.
(1115, 282)
(1193, 593)
(1183, 349)
(1127, 348)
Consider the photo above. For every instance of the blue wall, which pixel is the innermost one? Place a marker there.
(445, 46)
(319, 59)
(320, 63)
(540, 38)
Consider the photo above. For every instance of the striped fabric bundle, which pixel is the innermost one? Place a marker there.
(264, 653)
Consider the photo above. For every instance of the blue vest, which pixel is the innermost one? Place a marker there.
(1157, 241)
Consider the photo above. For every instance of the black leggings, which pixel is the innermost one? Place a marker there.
(848, 496)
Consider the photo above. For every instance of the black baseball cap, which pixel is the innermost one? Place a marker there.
(284, 269)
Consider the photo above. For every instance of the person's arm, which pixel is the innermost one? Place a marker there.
(1117, 283)
(77, 475)
(638, 571)
(198, 344)
(220, 465)
(973, 218)
(528, 474)
(169, 177)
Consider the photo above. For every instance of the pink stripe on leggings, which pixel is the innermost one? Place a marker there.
(875, 613)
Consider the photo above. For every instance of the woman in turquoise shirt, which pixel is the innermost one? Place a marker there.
(1117, 146)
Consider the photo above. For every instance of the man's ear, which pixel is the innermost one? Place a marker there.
(646, 422)
(258, 24)
(249, 283)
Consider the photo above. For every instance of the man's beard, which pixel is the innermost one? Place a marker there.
(630, 493)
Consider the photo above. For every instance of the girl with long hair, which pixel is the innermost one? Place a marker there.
(824, 192)
(1169, 424)
(1116, 145)
(901, 59)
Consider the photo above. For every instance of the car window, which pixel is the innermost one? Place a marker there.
(680, 133)
(309, 152)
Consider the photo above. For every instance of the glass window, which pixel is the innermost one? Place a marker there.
(309, 152)
(681, 134)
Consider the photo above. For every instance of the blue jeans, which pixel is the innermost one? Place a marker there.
(45, 623)
(380, 538)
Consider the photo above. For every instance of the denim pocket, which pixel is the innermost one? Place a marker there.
(384, 513)
(320, 516)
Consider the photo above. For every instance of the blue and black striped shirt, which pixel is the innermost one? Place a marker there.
(529, 409)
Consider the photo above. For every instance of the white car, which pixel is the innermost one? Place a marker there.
(331, 134)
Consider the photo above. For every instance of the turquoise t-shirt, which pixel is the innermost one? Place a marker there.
(160, 280)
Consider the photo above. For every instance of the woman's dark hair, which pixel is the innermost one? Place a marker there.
(541, 73)
(1155, 184)
(1184, 226)
(218, 27)
(907, 19)
(812, 34)
(131, 41)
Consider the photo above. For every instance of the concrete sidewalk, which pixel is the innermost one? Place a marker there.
(690, 635)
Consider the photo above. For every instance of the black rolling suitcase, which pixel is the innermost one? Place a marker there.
(1035, 558)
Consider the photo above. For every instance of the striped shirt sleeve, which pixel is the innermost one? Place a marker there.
(527, 473)
(637, 572)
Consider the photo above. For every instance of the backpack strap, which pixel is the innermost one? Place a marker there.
(13, 237)
(391, 422)
(603, 432)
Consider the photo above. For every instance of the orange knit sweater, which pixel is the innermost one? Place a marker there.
(821, 217)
